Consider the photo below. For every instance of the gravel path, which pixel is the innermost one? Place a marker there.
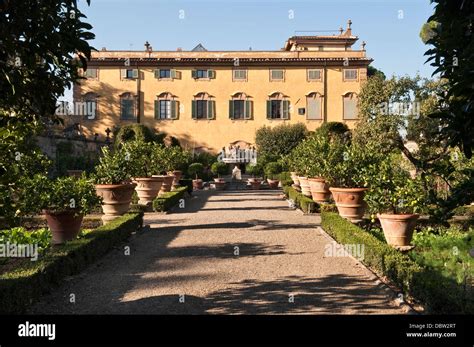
(227, 253)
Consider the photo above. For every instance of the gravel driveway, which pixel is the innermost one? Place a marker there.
(229, 252)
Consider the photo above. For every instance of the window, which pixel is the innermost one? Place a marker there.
(350, 74)
(314, 75)
(127, 106)
(129, 73)
(278, 107)
(166, 109)
(277, 75)
(202, 107)
(167, 74)
(240, 107)
(314, 106)
(350, 106)
(203, 74)
(91, 107)
(240, 75)
(90, 73)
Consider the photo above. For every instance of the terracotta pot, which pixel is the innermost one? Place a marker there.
(167, 183)
(398, 228)
(218, 179)
(253, 179)
(197, 184)
(65, 226)
(350, 202)
(147, 189)
(319, 189)
(273, 184)
(116, 199)
(295, 179)
(255, 184)
(177, 174)
(304, 184)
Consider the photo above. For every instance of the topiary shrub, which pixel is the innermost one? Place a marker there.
(135, 132)
(254, 169)
(219, 168)
(272, 170)
(195, 170)
(273, 143)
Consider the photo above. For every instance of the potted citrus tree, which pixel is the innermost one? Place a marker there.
(397, 199)
(113, 184)
(254, 170)
(346, 175)
(64, 201)
(175, 161)
(145, 161)
(272, 173)
(219, 168)
(195, 170)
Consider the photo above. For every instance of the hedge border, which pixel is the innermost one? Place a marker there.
(188, 183)
(307, 205)
(26, 284)
(166, 201)
(437, 293)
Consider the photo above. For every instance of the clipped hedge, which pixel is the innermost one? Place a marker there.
(188, 183)
(437, 293)
(169, 199)
(24, 285)
(307, 205)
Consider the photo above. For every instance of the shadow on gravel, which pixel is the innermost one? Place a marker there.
(331, 294)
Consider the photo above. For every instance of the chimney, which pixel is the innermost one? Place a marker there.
(179, 49)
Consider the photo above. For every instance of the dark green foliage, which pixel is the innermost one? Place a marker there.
(255, 169)
(273, 143)
(169, 199)
(67, 160)
(273, 170)
(451, 36)
(332, 128)
(188, 183)
(135, 132)
(439, 294)
(21, 287)
(372, 71)
(285, 178)
(219, 168)
(195, 170)
(304, 203)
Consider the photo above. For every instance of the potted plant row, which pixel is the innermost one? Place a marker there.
(254, 170)
(219, 168)
(64, 201)
(272, 173)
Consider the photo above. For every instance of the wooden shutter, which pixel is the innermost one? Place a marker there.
(313, 108)
(174, 109)
(211, 74)
(269, 109)
(350, 107)
(123, 73)
(194, 74)
(157, 73)
(173, 73)
(286, 109)
(211, 109)
(157, 109)
(248, 113)
(127, 109)
(135, 73)
(231, 109)
(194, 109)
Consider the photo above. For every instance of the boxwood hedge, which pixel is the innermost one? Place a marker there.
(24, 285)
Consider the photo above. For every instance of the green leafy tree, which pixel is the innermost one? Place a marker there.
(450, 33)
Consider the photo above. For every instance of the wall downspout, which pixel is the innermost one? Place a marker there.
(325, 116)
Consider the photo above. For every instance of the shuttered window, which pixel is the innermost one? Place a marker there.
(166, 109)
(277, 75)
(127, 108)
(278, 109)
(314, 75)
(314, 107)
(240, 75)
(350, 74)
(240, 109)
(350, 106)
(203, 109)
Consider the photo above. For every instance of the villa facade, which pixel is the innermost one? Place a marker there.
(213, 99)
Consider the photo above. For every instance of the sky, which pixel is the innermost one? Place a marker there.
(389, 27)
